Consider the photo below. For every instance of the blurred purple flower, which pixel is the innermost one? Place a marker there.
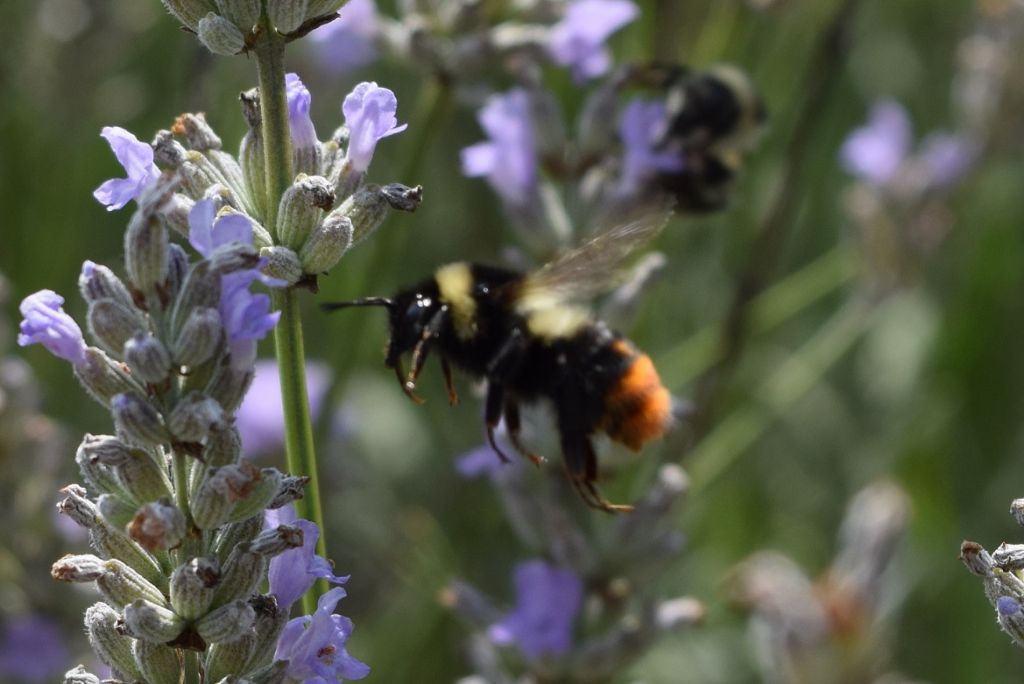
(641, 128)
(46, 323)
(299, 122)
(370, 114)
(577, 41)
(947, 157)
(246, 315)
(32, 649)
(260, 418)
(348, 42)
(875, 151)
(314, 646)
(548, 599)
(509, 158)
(293, 572)
(136, 158)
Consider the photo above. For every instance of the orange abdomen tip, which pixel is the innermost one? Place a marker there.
(638, 408)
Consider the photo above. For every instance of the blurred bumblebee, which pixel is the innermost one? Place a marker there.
(531, 337)
(714, 117)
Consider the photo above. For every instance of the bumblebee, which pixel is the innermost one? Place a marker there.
(714, 118)
(531, 338)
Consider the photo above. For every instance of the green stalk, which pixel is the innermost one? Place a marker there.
(288, 343)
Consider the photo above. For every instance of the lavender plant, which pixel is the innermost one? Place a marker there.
(175, 514)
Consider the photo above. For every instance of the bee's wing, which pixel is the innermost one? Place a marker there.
(592, 269)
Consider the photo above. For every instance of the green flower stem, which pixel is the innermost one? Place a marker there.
(288, 344)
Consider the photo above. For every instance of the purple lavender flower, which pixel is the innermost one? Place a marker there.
(46, 323)
(577, 41)
(947, 157)
(293, 572)
(509, 158)
(348, 42)
(877, 150)
(1007, 606)
(370, 114)
(260, 418)
(137, 159)
(32, 650)
(548, 599)
(314, 646)
(299, 122)
(641, 128)
(246, 315)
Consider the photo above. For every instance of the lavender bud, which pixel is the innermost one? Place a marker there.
(197, 175)
(192, 418)
(101, 377)
(221, 491)
(679, 612)
(158, 526)
(243, 13)
(198, 338)
(402, 197)
(77, 507)
(188, 12)
(281, 263)
(98, 477)
(220, 36)
(177, 267)
(250, 154)
(106, 639)
(149, 621)
(366, 209)
(327, 244)
(198, 134)
(110, 543)
(158, 664)
(287, 15)
(319, 8)
(200, 291)
(229, 536)
(1009, 557)
(1011, 618)
(278, 540)
(229, 385)
(145, 251)
(1017, 510)
(79, 675)
(302, 206)
(259, 496)
(147, 358)
(223, 445)
(99, 282)
(105, 449)
(291, 488)
(167, 152)
(192, 587)
(112, 324)
(121, 585)
(243, 571)
(115, 511)
(227, 657)
(229, 622)
(270, 620)
(77, 568)
(976, 558)
(175, 217)
(142, 477)
(136, 421)
(233, 257)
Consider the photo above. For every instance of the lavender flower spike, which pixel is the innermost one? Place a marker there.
(548, 601)
(876, 151)
(46, 323)
(577, 41)
(293, 572)
(299, 122)
(641, 127)
(348, 42)
(370, 114)
(509, 158)
(314, 646)
(137, 159)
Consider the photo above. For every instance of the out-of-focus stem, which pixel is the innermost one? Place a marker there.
(288, 344)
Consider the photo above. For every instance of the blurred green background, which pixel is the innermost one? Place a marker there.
(926, 391)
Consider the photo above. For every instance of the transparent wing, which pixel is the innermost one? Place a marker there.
(592, 269)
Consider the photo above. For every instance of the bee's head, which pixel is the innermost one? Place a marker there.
(408, 315)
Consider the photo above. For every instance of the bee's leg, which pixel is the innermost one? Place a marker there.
(581, 463)
(406, 386)
(422, 348)
(513, 424)
(446, 370)
(492, 414)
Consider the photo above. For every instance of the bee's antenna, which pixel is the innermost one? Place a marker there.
(365, 301)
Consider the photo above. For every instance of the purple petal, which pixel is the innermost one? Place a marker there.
(509, 159)
(577, 41)
(641, 128)
(232, 228)
(137, 160)
(200, 226)
(877, 150)
(548, 599)
(370, 114)
(299, 122)
(315, 646)
(348, 42)
(46, 323)
(260, 418)
(293, 572)
(947, 157)
(1007, 606)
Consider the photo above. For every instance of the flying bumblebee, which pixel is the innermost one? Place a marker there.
(531, 337)
(714, 118)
